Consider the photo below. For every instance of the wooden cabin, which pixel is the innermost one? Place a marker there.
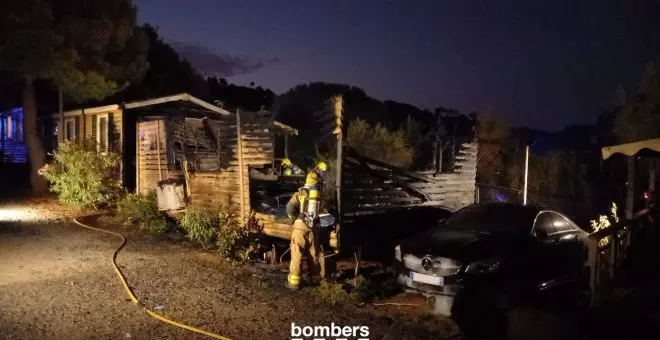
(179, 137)
(204, 151)
(112, 127)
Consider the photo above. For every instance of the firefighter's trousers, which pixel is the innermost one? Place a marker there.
(305, 242)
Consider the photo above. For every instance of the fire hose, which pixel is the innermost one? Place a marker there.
(130, 293)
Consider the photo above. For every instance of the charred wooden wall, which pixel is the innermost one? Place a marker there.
(377, 198)
(209, 145)
(369, 188)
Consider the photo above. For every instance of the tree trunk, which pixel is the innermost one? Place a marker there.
(35, 149)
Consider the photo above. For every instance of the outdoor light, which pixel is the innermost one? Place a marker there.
(10, 214)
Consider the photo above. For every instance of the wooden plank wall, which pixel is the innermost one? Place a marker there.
(148, 156)
(219, 188)
(88, 124)
(457, 189)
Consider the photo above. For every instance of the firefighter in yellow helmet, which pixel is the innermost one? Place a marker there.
(289, 169)
(303, 208)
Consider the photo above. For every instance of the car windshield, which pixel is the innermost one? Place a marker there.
(493, 219)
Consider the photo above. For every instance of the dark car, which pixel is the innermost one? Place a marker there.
(497, 252)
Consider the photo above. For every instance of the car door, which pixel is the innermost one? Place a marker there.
(544, 254)
(559, 247)
(569, 246)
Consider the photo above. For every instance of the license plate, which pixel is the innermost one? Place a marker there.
(428, 279)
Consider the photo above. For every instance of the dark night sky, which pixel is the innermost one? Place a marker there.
(541, 63)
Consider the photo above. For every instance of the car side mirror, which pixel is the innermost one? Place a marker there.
(541, 234)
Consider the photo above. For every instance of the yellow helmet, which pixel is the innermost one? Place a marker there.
(312, 179)
(286, 162)
(322, 166)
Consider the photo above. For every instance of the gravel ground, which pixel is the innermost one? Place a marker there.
(57, 282)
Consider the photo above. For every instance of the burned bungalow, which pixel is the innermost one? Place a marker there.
(178, 143)
(375, 201)
(195, 153)
(202, 152)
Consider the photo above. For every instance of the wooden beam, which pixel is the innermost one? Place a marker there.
(209, 133)
(206, 105)
(177, 97)
(286, 128)
(377, 174)
(160, 170)
(239, 147)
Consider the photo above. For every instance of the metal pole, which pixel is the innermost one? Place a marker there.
(526, 174)
(630, 189)
(436, 144)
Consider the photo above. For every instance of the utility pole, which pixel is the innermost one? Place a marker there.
(526, 174)
(436, 144)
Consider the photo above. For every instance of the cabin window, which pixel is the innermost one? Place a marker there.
(70, 129)
(102, 133)
(9, 128)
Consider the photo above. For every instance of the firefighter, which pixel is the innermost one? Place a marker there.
(303, 208)
(289, 168)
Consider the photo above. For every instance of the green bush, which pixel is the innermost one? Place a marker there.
(236, 242)
(201, 225)
(83, 177)
(334, 293)
(142, 209)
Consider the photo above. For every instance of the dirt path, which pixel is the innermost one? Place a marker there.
(56, 282)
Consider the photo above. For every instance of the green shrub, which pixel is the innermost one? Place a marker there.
(83, 177)
(359, 282)
(334, 293)
(142, 209)
(237, 242)
(201, 225)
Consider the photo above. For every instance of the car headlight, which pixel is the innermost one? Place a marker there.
(397, 253)
(483, 266)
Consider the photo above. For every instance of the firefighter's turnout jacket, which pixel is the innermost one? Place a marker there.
(305, 236)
